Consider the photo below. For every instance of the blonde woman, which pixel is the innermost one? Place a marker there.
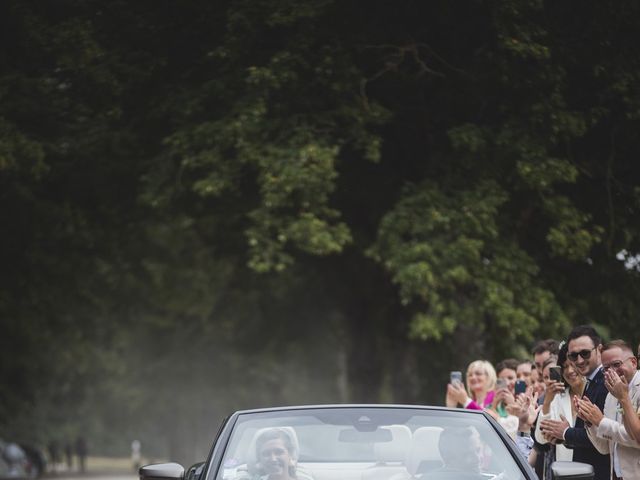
(481, 384)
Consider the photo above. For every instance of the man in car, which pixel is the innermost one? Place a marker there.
(276, 456)
(462, 454)
(584, 346)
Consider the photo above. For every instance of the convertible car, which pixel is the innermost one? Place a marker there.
(361, 442)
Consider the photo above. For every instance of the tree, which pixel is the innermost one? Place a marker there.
(310, 200)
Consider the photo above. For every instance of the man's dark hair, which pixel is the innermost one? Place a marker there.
(562, 354)
(585, 331)
(549, 345)
(510, 363)
(552, 360)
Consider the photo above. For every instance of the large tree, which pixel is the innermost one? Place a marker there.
(313, 200)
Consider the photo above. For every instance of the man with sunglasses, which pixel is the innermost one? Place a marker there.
(607, 430)
(584, 345)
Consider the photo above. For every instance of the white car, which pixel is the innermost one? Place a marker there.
(361, 442)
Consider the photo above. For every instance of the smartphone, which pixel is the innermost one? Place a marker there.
(555, 373)
(521, 387)
(455, 377)
(501, 383)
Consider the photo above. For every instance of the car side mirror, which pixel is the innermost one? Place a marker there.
(162, 471)
(572, 471)
(194, 471)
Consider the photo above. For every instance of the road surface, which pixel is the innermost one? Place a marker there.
(92, 475)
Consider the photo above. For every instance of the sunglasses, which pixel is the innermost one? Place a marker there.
(615, 365)
(586, 354)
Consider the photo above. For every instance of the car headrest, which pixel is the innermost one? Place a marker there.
(396, 449)
(424, 448)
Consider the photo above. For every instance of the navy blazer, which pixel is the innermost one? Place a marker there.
(577, 439)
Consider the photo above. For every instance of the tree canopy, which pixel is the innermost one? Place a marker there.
(216, 205)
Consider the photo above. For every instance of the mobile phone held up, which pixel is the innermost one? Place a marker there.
(521, 387)
(555, 374)
(455, 378)
(501, 383)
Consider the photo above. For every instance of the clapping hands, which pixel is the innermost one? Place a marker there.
(525, 407)
(588, 412)
(553, 430)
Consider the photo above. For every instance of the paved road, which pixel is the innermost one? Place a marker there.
(93, 476)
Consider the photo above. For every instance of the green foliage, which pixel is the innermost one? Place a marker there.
(469, 137)
(18, 153)
(199, 189)
(571, 237)
(446, 252)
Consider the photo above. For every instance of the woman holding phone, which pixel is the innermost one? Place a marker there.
(562, 385)
(481, 382)
(506, 371)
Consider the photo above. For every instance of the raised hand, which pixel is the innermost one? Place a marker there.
(457, 393)
(616, 384)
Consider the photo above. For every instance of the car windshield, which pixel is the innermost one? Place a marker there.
(365, 444)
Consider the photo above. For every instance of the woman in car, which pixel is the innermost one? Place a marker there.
(481, 383)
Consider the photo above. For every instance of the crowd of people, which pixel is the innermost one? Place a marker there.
(576, 399)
